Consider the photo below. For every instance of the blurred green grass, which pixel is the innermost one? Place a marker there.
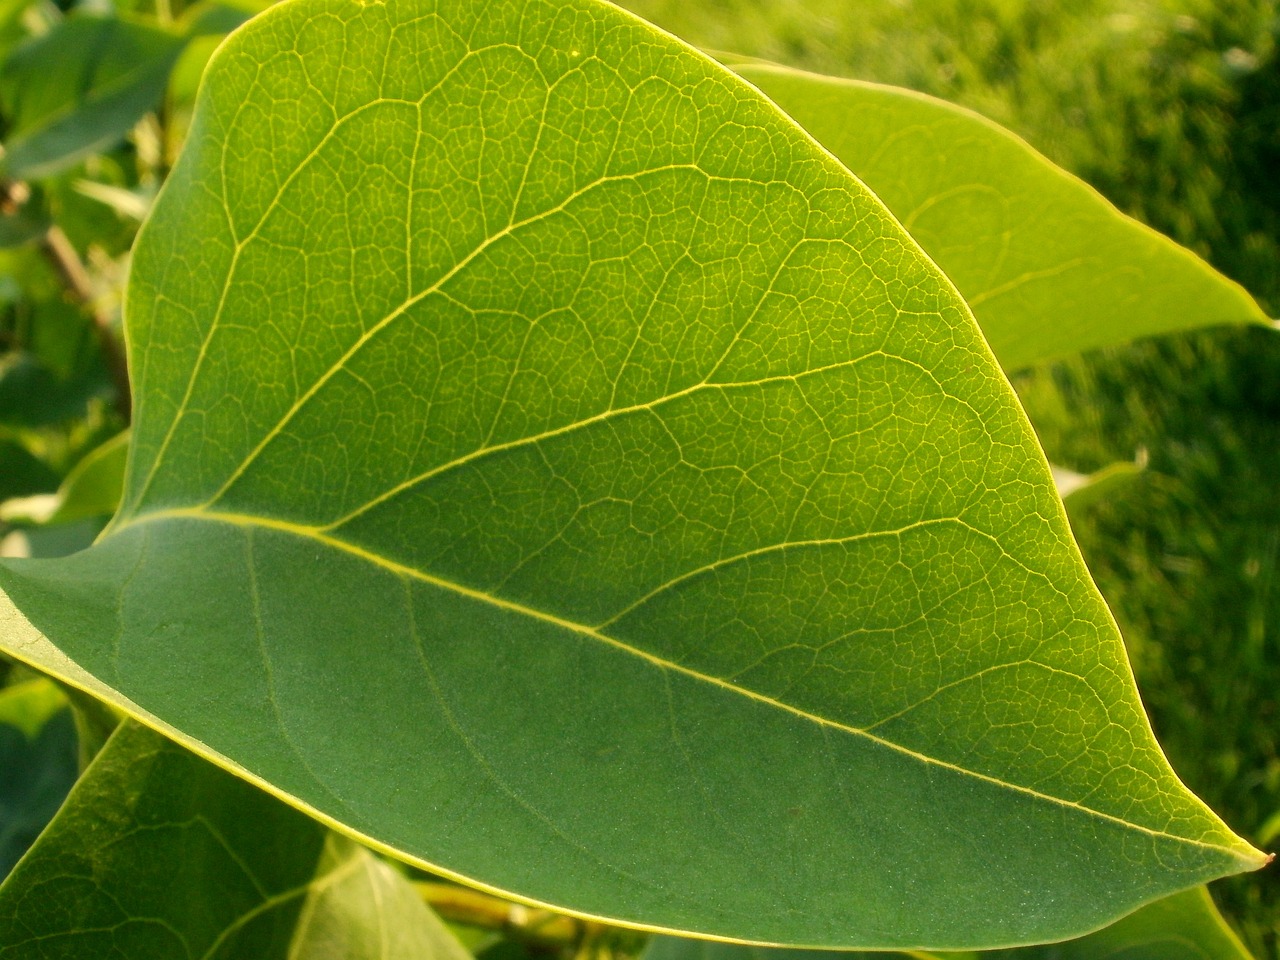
(1172, 110)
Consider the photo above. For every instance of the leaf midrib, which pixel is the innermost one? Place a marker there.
(250, 522)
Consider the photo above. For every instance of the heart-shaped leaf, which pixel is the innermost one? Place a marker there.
(553, 465)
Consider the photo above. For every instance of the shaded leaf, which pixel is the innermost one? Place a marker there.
(22, 473)
(158, 854)
(79, 88)
(33, 395)
(1049, 267)
(1185, 926)
(38, 761)
(91, 489)
(23, 217)
(602, 499)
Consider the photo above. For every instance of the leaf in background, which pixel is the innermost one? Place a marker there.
(1081, 490)
(1185, 926)
(80, 88)
(159, 854)
(1270, 830)
(601, 498)
(37, 763)
(23, 216)
(219, 17)
(22, 474)
(11, 31)
(91, 489)
(1048, 266)
(53, 379)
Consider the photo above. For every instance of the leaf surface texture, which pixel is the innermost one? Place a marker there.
(552, 464)
(1049, 267)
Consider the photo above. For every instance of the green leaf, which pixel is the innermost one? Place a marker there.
(79, 88)
(22, 474)
(54, 380)
(1048, 266)
(23, 218)
(1185, 926)
(38, 760)
(158, 854)
(1270, 830)
(91, 489)
(599, 497)
(219, 17)
(1079, 491)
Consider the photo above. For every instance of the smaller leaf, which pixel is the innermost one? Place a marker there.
(34, 393)
(1270, 830)
(1185, 926)
(127, 204)
(1049, 267)
(38, 758)
(80, 88)
(158, 854)
(91, 489)
(1079, 490)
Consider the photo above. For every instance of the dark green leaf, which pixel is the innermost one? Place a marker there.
(37, 763)
(158, 854)
(79, 88)
(22, 473)
(598, 496)
(91, 489)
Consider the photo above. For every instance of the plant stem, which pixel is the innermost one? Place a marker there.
(476, 909)
(67, 262)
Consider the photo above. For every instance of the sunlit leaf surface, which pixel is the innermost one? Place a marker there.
(550, 463)
(1049, 267)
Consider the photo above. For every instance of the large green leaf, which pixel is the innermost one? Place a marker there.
(1185, 926)
(79, 88)
(1048, 266)
(159, 854)
(550, 463)
(37, 763)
